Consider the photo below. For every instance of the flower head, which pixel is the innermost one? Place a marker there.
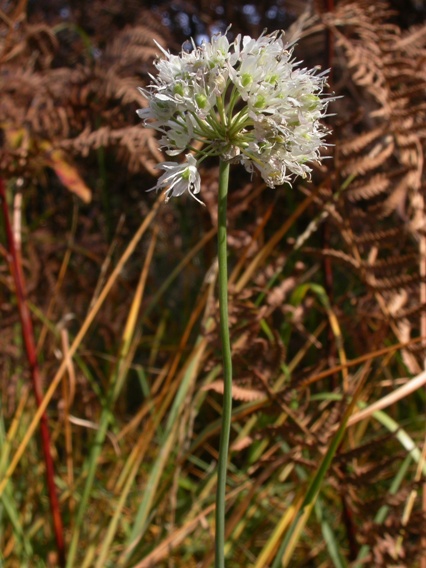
(245, 101)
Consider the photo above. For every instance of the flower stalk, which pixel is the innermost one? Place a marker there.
(227, 365)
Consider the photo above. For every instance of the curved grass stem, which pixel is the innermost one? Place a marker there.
(227, 366)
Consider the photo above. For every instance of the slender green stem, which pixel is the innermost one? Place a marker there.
(227, 366)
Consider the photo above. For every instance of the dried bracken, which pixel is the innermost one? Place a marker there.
(49, 102)
(379, 152)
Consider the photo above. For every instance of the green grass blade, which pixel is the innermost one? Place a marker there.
(329, 537)
(166, 444)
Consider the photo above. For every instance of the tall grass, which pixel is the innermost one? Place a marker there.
(135, 469)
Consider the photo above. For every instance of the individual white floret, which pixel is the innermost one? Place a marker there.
(179, 178)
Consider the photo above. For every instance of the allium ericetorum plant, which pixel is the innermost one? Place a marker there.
(246, 102)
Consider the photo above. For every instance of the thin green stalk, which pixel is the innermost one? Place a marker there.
(92, 465)
(227, 366)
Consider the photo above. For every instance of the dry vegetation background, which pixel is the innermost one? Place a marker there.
(327, 297)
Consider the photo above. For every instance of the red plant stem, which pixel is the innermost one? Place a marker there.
(30, 348)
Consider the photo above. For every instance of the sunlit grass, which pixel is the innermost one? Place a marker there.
(137, 488)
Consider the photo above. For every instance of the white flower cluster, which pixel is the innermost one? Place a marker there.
(245, 101)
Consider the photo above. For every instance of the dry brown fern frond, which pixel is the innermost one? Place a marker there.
(138, 43)
(385, 541)
(76, 107)
(389, 90)
(379, 137)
